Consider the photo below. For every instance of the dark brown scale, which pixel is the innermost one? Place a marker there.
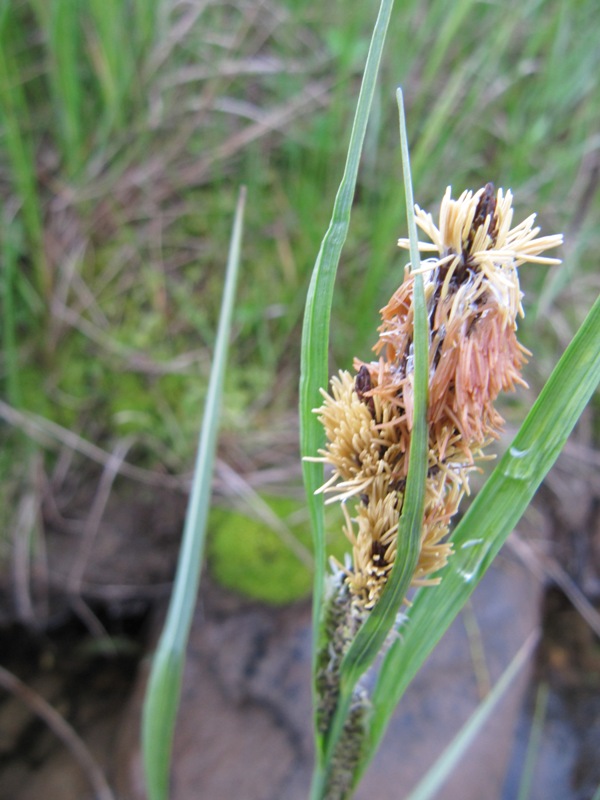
(378, 552)
(362, 385)
(437, 354)
(401, 362)
(362, 382)
(460, 275)
(486, 207)
(473, 321)
(398, 485)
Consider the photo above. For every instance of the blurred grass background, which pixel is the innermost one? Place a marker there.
(126, 129)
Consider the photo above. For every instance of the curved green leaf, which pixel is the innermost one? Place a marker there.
(491, 517)
(164, 684)
(314, 368)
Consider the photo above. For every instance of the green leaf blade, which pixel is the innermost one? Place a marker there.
(371, 637)
(164, 685)
(434, 779)
(492, 516)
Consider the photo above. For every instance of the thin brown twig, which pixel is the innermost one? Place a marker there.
(90, 620)
(108, 592)
(135, 360)
(94, 518)
(26, 519)
(27, 541)
(544, 566)
(90, 531)
(275, 119)
(62, 730)
(477, 650)
(49, 434)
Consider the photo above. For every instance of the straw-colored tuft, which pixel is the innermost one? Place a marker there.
(473, 301)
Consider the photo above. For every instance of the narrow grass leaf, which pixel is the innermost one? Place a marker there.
(113, 59)
(10, 252)
(314, 364)
(65, 51)
(147, 16)
(446, 763)
(314, 367)
(15, 125)
(373, 633)
(454, 19)
(368, 642)
(164, 685)
(533, 745)
(492, 516)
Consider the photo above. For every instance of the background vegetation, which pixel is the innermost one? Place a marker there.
(126, 129)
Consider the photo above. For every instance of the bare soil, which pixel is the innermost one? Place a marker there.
(79, 634)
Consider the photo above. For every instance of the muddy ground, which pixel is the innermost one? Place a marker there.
(78, 625)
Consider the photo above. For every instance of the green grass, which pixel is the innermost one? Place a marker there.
(125, 132)
(164, 683)
(492, 516)
(118, 189)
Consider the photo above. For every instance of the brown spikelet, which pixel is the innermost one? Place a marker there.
(473, 300)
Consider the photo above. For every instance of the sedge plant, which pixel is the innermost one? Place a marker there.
(400, 435)
(420, 440)
(164, 683)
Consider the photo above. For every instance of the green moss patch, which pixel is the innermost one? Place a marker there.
(249, 557)
(246, 555)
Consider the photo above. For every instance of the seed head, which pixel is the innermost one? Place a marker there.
(473, 301)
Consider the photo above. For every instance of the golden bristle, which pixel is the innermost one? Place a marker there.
(473, 300)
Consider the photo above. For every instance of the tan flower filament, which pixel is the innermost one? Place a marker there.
(473, 300)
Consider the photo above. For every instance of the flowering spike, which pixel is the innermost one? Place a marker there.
(473, 300)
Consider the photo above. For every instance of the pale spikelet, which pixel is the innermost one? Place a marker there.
(473, 300)
(362, 444)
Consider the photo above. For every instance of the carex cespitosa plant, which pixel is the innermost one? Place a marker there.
(395, 440)
(473, 302)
